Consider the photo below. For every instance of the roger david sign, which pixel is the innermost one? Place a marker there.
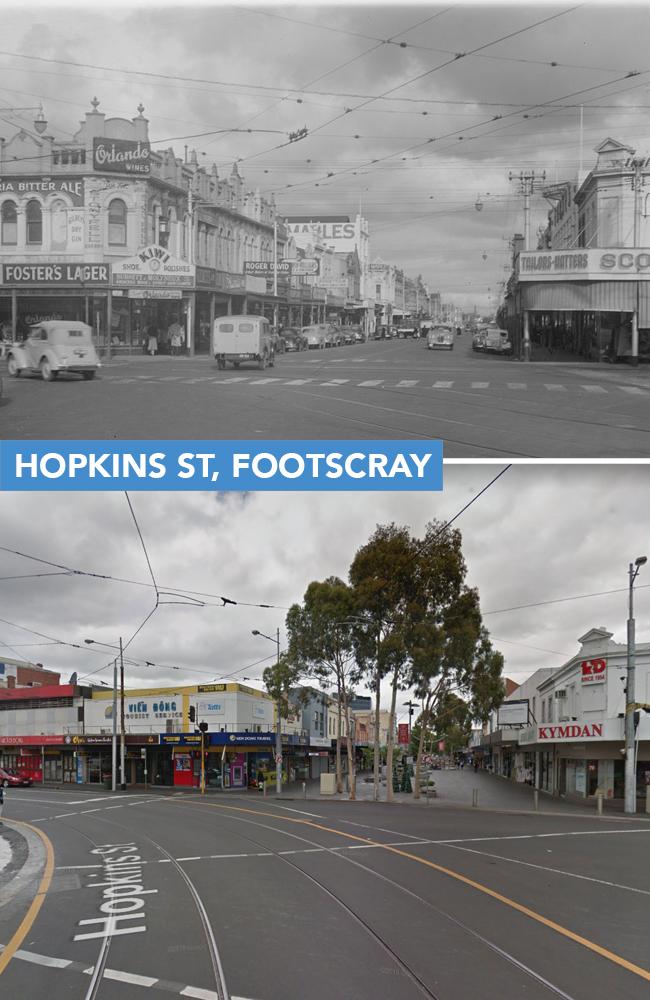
(121, 156)
(593, 671)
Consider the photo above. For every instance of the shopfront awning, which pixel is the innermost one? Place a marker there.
(582, 296)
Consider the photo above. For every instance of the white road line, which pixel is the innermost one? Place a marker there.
(633, 389)
(235, 378)
(84, 812)
(480, 385)
(442, 385)
(196, 857)
(302, 812)
(191, 991)
(69, 868)
(540, 836)
(407, 383)
(263, 381)
(372, 382)
(169, 378)
(52, 963)
(545, 868)
(553, 387)
(299, 381)
(516, 385)
(63, 815)
(593, 388)
(336, 381)
(129, 977)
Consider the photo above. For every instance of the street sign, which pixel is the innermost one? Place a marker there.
(143, 751)
(278, 758)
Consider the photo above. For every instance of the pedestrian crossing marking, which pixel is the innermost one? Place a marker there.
(593, 388)
(480, 385)
(263, 381)
(336, 381)
(372, 382)
(517, 385)
(299, 381)
(407, 383)
(235, 378)
(442, 385)
(633, 389)
(553, 387)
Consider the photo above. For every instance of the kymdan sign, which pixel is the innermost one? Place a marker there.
(574, 731)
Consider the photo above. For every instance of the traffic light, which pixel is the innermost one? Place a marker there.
(192, 713)
(203, 726)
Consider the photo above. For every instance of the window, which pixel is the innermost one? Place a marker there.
(59, 225)
(117, 223)
(9, 236)
(34, 217)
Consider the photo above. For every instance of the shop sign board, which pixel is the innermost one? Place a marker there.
(121, 156)
(206, 276)
(403, 734)
(593, 671)
(305, 265)
(56, 273)
(45, 186)
(513, 713)
(265, 267)
(337, 232)
(573, 732)
(154, 293)
(616, 264)
(153, 266)
(30, 741)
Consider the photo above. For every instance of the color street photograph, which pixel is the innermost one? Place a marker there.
(389, 745)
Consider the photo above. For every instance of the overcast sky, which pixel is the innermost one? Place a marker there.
(371, 83)
(540, 533)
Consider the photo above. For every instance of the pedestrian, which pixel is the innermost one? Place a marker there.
(2, 802)
(152, 343)
(174, 333)
(260, 781)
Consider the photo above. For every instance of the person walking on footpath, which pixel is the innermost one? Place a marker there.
(152, 342)
(175, 334)
(2, 802)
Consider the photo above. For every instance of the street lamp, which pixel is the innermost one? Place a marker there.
(94, 642)
(278, 727)
(630, 761)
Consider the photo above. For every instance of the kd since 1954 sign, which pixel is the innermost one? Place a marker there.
(121, 156)
(593, 671)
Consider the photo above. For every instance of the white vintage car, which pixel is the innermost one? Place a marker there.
(440, 336)
(52, 347)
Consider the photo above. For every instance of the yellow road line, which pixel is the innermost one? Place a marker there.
(38, 900)
(539, 917)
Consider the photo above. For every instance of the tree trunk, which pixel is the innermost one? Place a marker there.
(339, 776)
(376, 762)
(424, 720)
(352, 772)
(390, 743)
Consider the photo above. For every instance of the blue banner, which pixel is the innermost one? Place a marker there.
(221, 465)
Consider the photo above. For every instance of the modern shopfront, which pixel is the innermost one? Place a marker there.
(231, 760)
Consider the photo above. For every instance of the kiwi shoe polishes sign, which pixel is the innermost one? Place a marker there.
(121, 156)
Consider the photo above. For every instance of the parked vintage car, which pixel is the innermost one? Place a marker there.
(440, 336)
(315, 335)
(294, 339)
(478, 339)
(11, 779)
(496, 341)
(53, 347)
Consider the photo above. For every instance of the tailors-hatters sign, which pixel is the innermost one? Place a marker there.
(121, 156)
(153, 265)
(584, 265)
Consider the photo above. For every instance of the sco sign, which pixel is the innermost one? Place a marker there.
(626, 260)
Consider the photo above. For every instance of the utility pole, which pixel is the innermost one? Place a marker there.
(275, 281)
(638, 181)
(278, 732)
(527, 180)
(411, 705)
(114, 737)
(122, 730)
(630, 705)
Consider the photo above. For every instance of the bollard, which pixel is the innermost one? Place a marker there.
(304, 789)
(599, 801)
(647, 799)
(536, 800)
(264, 790)
(474, 798)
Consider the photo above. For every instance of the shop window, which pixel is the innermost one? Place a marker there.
(34, 218)
(117, 223)
(9, 220)
(59, 225)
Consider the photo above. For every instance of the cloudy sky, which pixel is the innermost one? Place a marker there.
(397, 123)
(540, 533)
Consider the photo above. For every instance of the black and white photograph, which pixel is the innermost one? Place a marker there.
(335, 222)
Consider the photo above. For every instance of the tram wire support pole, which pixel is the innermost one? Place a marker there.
(630, 706)
(527, 180)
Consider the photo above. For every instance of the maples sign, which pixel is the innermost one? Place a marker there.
(593, 671)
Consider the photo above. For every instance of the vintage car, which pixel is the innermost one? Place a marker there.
(294, 339)
(440, 336)
(496, 341)
(316, 336)
(478, 339)
(53, 347)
